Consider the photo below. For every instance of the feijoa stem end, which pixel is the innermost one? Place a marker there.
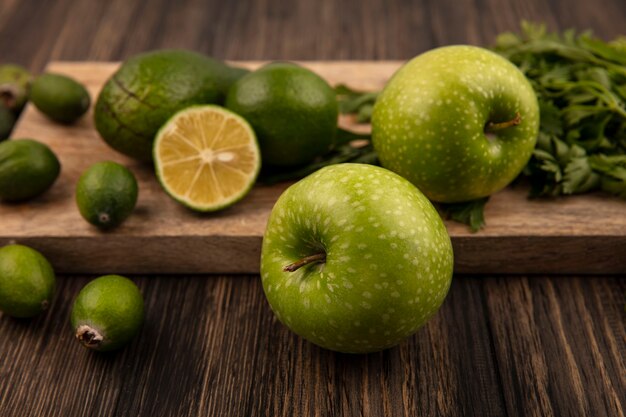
(8, 95)
(104, 218)
(494, 127)
(318, 257)
(88, 336)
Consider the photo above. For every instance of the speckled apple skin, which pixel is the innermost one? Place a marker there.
(428, 123)
(388, 266)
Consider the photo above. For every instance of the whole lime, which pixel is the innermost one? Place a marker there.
(61, 98)
(26, 281)
(292, 110)
(107, 313)
(106, 194)
(149, 88)
(27, 169)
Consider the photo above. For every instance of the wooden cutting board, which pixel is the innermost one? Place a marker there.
(582, 234)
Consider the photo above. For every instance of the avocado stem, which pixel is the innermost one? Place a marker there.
(318, 257)
(494, 127)
(88, 336)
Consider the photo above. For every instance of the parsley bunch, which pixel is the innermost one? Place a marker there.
(580, 82)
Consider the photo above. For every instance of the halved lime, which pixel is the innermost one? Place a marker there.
(206, 157)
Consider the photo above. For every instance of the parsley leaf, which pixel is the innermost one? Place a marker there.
(349, 147)
(360, 103)
(580, 83)
(470, 213)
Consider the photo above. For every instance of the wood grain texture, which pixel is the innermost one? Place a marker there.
(500, 346)
(533, 350)
(521, 236)
(547, 337)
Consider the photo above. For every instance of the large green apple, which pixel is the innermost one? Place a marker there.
(355, 258)
(459, 122)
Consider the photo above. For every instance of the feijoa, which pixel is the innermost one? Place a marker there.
(61, 98)
(14, 87)
(106, 194)
(107, 313)
(7, 121)
(27, 169)
(26, 281)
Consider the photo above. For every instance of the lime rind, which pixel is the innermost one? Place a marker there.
(232, 199)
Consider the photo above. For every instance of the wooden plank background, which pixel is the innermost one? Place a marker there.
(500, 346)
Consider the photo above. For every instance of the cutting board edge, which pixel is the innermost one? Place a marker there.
(211, 254)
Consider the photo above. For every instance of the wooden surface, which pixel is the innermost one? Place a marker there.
(500, 345)
(563, 236)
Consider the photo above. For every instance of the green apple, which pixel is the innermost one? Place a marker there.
(355, 258)
(459, 122)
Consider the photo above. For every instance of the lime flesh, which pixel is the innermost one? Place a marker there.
(206, 157)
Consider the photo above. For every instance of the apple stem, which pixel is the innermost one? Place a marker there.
(318, 257)
(494, 127)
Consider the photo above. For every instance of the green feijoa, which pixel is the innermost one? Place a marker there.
(61, 98)
(26, 281)
(27, 169)
(7, 121)
(14, 86)
(106, 194)
(107, 313)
